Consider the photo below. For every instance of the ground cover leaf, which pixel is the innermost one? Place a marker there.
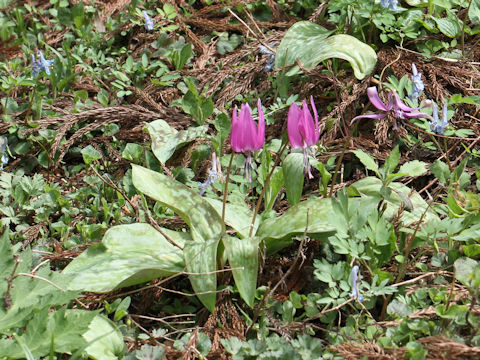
(128, 255)
(310, 44)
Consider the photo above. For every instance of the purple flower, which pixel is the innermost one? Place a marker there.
(148, 21)
(394, 106)
(354, 276)
(435, 126)
(303, 132)
(246, 137)
(418, 84)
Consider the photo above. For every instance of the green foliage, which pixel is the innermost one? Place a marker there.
(310, 44)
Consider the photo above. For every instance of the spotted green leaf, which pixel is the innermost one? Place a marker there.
(165, 139)
(201, 263)
(243, 258)
(278, 232)
(204, 221)
(310, 44)
(128, 255)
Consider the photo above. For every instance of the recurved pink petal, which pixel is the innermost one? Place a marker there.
(293, 122)
(372, 93)
(399, 104)
(368, 116)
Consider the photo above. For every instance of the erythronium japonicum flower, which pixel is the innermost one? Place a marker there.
(394, 106)
(246, 137)
(303, 132)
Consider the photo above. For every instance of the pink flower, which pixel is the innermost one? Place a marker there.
(395, 105)
(303, 132)
(246, 137)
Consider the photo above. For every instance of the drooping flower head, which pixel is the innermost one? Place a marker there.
(395, 106)
(303, 130)
(418, 85)
(354, 277)
(435, 125)
(3, 151)
(212, 176)
(246, 137)
(148, 21)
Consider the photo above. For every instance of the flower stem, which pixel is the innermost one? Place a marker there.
(259, 201)
(441, 150)
(338, 165)
(225, 192)
(462, 39)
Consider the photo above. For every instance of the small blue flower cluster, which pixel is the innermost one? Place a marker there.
(211, 178)
(271, 57)
(40, 64)
(391, 4)
(355, 292)
(418, 84)
(148, 21)
(435, 125)
(3, 148)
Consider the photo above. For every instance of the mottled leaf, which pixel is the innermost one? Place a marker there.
(278, 232)
(128, 255)
(293, 175)
(201, 263)
(165, 139)
(310, 44)
(243, 258)
(204, 221)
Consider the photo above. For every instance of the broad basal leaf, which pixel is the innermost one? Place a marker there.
(243, 258)
(310, 44)
(371, 186)
(104, 338)
(279, 231)
(204, 221)
(166, 139)
(236, 216)
(128, 255)
(201, 263)
(293, 176)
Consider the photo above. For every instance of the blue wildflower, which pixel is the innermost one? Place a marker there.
(211, 178)
(435, 126)
(148, 21)
(418, 84)
(354, 276)
(3, 148)
(271, 57)
(391, 4)
(40, 65)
